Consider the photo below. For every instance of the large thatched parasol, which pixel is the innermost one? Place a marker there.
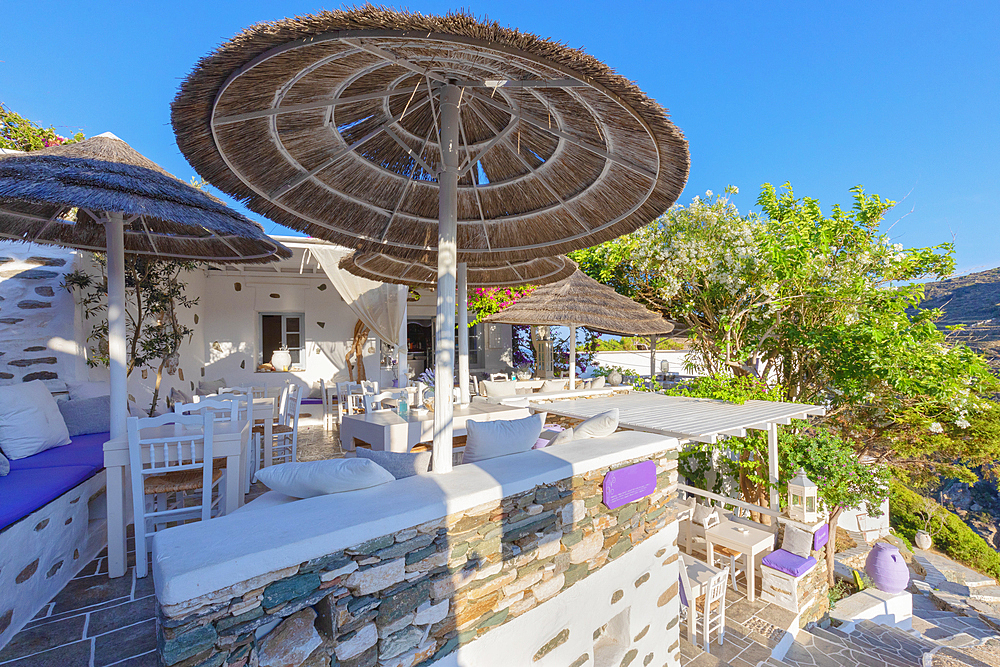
(418, 136)
(100, 194)
(582, 301)
(388, 269)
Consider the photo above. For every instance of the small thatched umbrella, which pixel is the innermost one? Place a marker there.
(101, 195)
(418, 136)
(388, 269)
(582, 301)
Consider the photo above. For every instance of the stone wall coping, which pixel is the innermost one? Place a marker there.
(200, 558)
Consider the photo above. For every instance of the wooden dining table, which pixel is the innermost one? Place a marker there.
(749, 541)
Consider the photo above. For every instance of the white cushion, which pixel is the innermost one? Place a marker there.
(553, 385)
(598, 426)
(263, 501)
(556, 438)
(703, 514)
(520, 402)
(81, 390)
(319, 478)
(488, 440)
(797, 541)
(499, 389)
(30, 420)
(210, 387)
(598, 382)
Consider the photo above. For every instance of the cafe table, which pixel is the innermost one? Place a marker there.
(699, 575)
(229, 442)
(740, 537)
(388, 431)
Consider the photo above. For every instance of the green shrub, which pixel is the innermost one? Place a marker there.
(956, 539)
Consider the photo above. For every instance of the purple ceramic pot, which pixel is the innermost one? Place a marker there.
(886, 567)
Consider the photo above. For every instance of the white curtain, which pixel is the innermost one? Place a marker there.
(379, 305)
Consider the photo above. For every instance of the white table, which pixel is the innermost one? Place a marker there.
(229, 441)
(699, 575)
(750, 543)
(390, 432)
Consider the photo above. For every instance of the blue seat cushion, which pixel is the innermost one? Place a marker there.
(312, 401)
(26, 490)
(82, 450)
(787, 562)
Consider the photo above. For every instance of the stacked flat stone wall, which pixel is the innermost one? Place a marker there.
(34, 309)
(421, 594)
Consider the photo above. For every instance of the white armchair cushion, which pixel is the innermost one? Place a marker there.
(598, 382)
(797, 541)
(598, 426)
(499, 389)
(553, 385)
(502, 437)
(30, 420)
(319, 478)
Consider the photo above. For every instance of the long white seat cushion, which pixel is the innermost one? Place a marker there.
(318, 478)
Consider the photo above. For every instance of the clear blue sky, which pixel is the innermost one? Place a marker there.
(903, 98)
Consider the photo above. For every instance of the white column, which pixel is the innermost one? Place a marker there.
(463, 332)
(401, 363)
(572, 356)
(444, 366)
(652, 360)
(772, 464)
(114, 228)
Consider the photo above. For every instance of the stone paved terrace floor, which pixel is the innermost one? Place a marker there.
(96, 621)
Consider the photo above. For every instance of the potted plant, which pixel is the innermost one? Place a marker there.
(933, 524)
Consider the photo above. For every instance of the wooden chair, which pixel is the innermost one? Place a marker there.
(221, 410)
(373, 402)
(285, 431)
(712, 608)
(165, 468)
(348, 399)
(734, 557)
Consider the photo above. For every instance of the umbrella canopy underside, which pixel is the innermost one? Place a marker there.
(60, 195)
(329, 124)
(583, 301)
(388, 269)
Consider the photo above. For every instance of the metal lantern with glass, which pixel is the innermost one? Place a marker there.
(803, 499)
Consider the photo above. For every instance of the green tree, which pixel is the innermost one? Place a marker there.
(844, 480)
(154, 291)
(20, 134)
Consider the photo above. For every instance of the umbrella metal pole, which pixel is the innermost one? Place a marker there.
(572, 356)
(463, 333)
(114, 227)
(444, 366)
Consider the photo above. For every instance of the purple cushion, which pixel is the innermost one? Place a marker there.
(312, 401)
(24, 491)
(82, 450)
(787, 562)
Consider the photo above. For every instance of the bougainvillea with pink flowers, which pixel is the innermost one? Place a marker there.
(20, 134)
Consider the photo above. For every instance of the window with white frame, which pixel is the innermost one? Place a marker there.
(282, 329)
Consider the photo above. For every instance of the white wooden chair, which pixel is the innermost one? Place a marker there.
(348, 399)
(165, 468)
(373, 402)
(227, 409)
(712, 608)
(285, 431)
(734, 558)
(499, 377)
(369, 386)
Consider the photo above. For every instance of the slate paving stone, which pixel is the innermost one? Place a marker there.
(119, 616)
(127, 642)
(43, 637)
(144, 660)
(76, 654)
(80, 593)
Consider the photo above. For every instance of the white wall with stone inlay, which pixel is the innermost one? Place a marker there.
(40, 553)
(38, 336)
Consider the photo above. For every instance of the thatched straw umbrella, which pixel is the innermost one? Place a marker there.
(388, 269)
(102, 195)
(582, 301)
(418, 136)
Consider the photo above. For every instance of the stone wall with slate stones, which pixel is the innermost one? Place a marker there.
(35, 310)
(471, 586)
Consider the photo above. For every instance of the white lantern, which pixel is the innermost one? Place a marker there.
(803, 499)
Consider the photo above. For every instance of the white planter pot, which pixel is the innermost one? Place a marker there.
(923, 540)
(614, 378)
(281, 360)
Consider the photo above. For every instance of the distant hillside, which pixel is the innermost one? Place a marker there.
(972, 300)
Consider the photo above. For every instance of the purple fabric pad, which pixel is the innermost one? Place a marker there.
(82, 450)
(24, 491)
(821, 537)
(787, 562)
(312, 401)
